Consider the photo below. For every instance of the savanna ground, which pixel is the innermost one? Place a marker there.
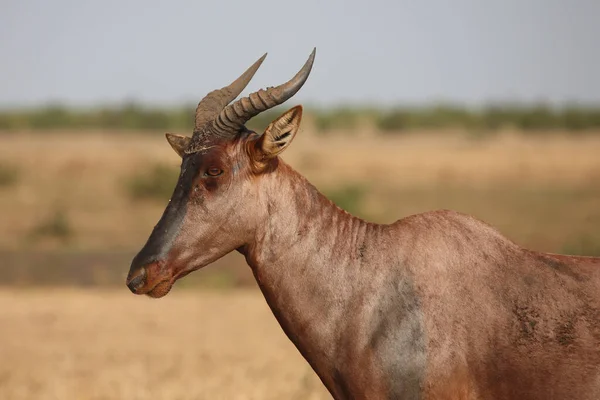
(107, 344)
(74, 208)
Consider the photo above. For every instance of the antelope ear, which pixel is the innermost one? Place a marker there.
(279, 134)
(178, 142)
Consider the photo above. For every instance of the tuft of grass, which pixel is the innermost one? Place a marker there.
(9, 175)
(56, 226)
(349, 198)
(156, 183)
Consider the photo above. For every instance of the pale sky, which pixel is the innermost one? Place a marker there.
(470, 51)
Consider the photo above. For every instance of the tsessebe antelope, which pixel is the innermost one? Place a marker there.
(434, 306)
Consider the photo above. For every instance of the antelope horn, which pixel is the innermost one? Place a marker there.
(215, 101)
(235, 115)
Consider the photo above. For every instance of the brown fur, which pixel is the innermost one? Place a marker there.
(434, 306)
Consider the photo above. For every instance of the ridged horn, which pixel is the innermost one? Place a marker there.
(235, 115)
(214, 102)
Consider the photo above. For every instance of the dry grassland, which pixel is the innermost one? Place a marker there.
(85, 175)
(226, 345)
(84, 345)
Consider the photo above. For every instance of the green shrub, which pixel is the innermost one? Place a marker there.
(436, 117)
(9, 175)
(131, 115)
(349, 198)
(156, 183)
(56, 226)
(395, 120)
(342, 118)
(52, 117)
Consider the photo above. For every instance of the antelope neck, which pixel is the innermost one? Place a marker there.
(308, 257)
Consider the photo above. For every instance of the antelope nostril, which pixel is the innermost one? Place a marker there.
(136, 281)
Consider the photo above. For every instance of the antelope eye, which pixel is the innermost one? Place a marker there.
(214, 171)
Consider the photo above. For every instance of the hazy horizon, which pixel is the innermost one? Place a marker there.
(382, 53)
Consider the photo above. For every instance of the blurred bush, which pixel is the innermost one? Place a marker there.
(9, 175)
(133, 116)
(262, 120)
(342, 118)
(349, 197)
(55, 226)
(527, 118)
(155, 183)
(441, 116)
(128, 116)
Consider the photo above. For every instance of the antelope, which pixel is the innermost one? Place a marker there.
(437, 305)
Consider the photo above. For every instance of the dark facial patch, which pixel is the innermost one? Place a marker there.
(166, 230)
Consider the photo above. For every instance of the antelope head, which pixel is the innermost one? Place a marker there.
(212, 209)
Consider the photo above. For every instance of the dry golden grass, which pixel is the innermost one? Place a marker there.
(192, 345)
(84, 345)
(432, 159)
(85, 175)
